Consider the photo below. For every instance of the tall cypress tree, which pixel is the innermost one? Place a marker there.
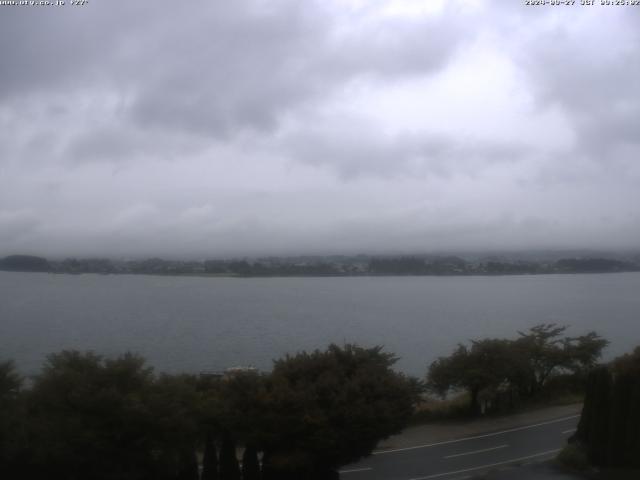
(632, 457)
(624, 441)
(267, 471)
(210, 460)
(229, 468)
(188, 468)
(599, 420)
(608, 427)
(250, 464)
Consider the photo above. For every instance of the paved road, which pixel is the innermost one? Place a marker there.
(466, 457)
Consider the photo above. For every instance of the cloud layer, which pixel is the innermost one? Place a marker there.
(254, 127)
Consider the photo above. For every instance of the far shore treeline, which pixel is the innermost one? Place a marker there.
(88, 416)
(359, 265)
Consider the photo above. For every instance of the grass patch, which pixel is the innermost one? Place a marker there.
(551, 401)
(456, 407)
(573, 458)
(432, 409)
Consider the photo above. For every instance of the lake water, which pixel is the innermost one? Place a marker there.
(193, 324)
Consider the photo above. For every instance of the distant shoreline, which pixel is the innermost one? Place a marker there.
(337, 266)
(362, 275)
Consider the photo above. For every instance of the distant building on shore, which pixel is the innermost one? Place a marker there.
(228, 373)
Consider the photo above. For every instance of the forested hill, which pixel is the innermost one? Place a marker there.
(325, 266)
(24, 263)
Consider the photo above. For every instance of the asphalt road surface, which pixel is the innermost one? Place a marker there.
(466, 457)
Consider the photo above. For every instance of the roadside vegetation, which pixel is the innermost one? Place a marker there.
(86, 416)
(608, 434)
(541, 366)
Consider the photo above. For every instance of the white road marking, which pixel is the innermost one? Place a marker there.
(383, 452)
(490, 465)
(571, 430)
(477, 451)
(353, 470)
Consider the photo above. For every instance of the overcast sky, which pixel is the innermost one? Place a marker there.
(216, 128)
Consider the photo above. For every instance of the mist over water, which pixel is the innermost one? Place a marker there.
(193, 324)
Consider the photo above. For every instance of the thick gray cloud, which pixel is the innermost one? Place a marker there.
(249, 127)
(354, 151)
(589, 66)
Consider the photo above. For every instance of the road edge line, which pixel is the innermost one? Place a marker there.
(477, 451)
(517, 429)
(506, 462)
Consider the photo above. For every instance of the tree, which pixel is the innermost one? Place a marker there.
(250, 464)
(521, 367)
(608, 427)
(172, 403)
(329, 408)
(188, 468)
(547, 352)
(542, 346)
(584, 352)
(100, 418)
(239, 406)
(10, 381)
(12, 418)
(89, 418)
(229, 468)
(210, 460)
(487, 365)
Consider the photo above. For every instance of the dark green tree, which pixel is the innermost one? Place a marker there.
(188, 467)
(329, 408)
(609, 425)
(233, 408)
(173, 403)
(548, 352)
(12, 419)
(99, 418)
(594, 421)
(210, 459)
(250, 464)
(583, 352)
(492, 369)
(484, 367)
(542, 345)
(240, 406)
(229, 467)
(10, 381)
(88, 417)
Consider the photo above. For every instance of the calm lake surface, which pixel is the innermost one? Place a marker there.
(193, 324)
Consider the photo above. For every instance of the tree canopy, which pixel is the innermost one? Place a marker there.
(87, 416)
(11, 417)
(91, 417)
(329, 408)
(519, 367)
(610, 420)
